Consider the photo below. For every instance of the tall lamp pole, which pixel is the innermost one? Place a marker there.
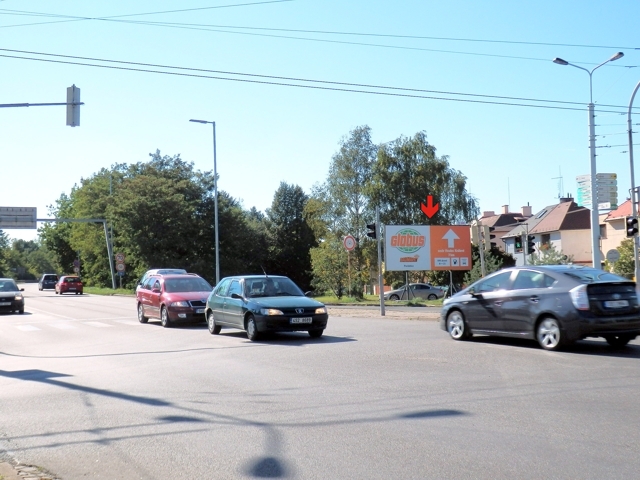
(215, 197)
(595, 221)
(634, 192)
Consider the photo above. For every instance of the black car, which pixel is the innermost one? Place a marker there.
(553, 304)
(48, 280)
(259, 304)
(11, 298)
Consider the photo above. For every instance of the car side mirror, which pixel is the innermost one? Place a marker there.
(22, 289)
(472, 292)
(156, 290)
(235, 295)
(308, 294)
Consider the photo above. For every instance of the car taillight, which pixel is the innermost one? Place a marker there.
(579, 297)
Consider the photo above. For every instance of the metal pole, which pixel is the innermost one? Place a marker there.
(109, 254)
(380, 279)
(595, 221)
(634, 207)
(215, 204)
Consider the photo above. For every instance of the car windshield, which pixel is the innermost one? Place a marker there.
(271, 287)
(187, 284)
(8, 286)
(590, 275)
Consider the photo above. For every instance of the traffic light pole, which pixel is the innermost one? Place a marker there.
(380, 279)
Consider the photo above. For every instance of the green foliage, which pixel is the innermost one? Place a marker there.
(493, 260)
(625, 266)
(4, 253)
(548, 255)
(330, 267)
(290, 237)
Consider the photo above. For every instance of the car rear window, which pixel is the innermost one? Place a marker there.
(186, 284)
(50, 277)
(72, 280)
(593, 275)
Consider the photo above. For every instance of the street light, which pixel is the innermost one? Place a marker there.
(215, 197)
(634, 191)
(595, 221)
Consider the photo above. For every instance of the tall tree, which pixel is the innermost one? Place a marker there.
(289, 235)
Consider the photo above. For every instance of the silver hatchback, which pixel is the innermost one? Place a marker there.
(415, 290)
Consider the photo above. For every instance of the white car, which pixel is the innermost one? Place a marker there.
(415, 290)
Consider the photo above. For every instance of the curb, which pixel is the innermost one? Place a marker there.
(23, 472)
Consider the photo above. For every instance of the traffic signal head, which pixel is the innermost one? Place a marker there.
(531, 244)
(632, 226)
(73, 106)
(519, 243)
(373, 232)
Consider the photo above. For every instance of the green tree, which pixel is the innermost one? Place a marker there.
(625, 266)
(289, 235)
(330, 268)
(4, 255)
(549, 255)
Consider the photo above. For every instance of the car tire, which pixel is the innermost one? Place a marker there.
(432, 296)
(214, 328)
(394, 297)
(618, 341)
(457, 326)
(549, 335)
(316, 332)
(252, 329)
(141, 317)
(21, 311)
(164, 318)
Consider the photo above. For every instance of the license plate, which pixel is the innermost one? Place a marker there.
(616, 303)
(4, 304)
(72, 288)
(199, 310)
(302, 320)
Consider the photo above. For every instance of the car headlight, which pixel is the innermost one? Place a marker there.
(270, 311)
(321, 310)
(18, 297)
(179, 304)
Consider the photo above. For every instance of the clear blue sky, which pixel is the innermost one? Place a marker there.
(270, 133)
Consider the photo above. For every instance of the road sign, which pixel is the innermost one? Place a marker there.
(18, 218)
(427, 247)
(76, 269)
(121, 274)
(120, 267)
(613, 255)
(76, 263)
(120, 257)
(349, 242)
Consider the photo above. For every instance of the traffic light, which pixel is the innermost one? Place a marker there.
(73, 106)
(531, 244)
(632, 226)
(373, 232)
(487, 236)
(519, 243)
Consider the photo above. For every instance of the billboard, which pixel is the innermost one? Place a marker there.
(427, 247)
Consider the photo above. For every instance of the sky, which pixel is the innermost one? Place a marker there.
(286, 80)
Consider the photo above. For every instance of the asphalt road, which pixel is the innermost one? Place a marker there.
(89, 393)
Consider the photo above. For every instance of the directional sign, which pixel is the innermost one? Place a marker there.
(18, 218)
(422, 247)
(429, 209)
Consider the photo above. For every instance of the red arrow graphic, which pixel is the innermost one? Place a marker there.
(429, 209)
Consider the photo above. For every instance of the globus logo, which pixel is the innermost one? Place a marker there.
(408, 240)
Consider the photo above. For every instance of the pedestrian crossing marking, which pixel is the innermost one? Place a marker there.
(97, 324)
(27, 328)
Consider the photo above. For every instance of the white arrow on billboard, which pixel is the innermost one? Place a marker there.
(450, 237)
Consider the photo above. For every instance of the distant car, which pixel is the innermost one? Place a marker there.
(48, 281)
(173, 298)
(261, 304)
(553, 304)
(11, 297)
(415, 290)
(160, 271)
(69, 284)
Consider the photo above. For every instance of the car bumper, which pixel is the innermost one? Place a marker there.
(186, 314)
(79, 290)
(279, 323)
(11, 305)
(588, 326)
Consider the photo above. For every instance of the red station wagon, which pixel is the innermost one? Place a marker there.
(69, 284)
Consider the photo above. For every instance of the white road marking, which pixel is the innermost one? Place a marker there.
(97, 324)
(27, 328)
(62, 326)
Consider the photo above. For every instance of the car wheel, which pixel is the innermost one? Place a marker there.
(252, 329)
(316, 332)
(457, 327)
(21, 311)
(394, 297)
(141, 317)
(164, 318)
(432, 297)
(214, 329)
(549, 335)
(618, 341)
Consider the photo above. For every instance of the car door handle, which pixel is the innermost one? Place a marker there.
(498, 303)
(535, 299)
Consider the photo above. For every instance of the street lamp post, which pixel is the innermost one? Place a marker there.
(215, 197)
(595, 221)
(634, 192)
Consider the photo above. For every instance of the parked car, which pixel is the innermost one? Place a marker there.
(259, 304)
(415, 290)
(69, 284)
(553, 304)
(173, 298)
(48, 281)
(160, 271)
(11, 297)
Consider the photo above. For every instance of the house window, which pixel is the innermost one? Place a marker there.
(603, 231)
(545, 240)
